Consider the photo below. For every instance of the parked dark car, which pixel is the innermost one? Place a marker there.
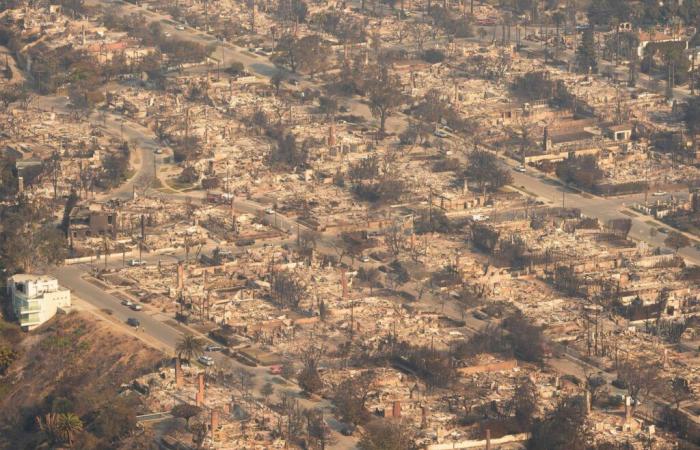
(618, 383)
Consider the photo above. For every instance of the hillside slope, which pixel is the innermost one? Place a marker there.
(73, 364)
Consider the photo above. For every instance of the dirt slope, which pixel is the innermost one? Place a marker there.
(74, 363)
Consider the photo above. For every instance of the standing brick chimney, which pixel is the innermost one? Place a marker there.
(396, 409)
(628, 409)
(180, 276)
(344, 282)
(588, 402)
(331, 135)
(546, 141)
(200, 389)
(178, 373)
(214, 421)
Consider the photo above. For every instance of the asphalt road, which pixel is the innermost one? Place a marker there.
(604, 208)
(142, 142)
(72, 277)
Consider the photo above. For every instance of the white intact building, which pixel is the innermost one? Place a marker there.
(36, 298)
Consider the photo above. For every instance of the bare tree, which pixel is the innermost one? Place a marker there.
(402, 31)
(350, 397)
(244, 381)
(676, 241)
(595, 384)
(420, 33)
(387, 434)
(642, 378)
(307, 244)
(525, 401)
(394, 238)
(384, 94)
(294, 417)
(308, 378)
(316, 429)
(286, 289)
(680, 390)
(266, 391)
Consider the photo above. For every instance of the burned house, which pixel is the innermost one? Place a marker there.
(90, 221)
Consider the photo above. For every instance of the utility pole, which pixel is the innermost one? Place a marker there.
(206, 16)
(142, 237)
(104, 242)
(430, 210)
(206, 122)
(234, 219)
(692, 74)
(55, 173)
(187, 122)
(252, 16)
(352, 319)
(563, 194)
(227, 181)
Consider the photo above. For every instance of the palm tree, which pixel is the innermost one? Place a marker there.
(69, 425)
(189, 347)
(60, 427)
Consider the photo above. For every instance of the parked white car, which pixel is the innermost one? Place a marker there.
(206, 360)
